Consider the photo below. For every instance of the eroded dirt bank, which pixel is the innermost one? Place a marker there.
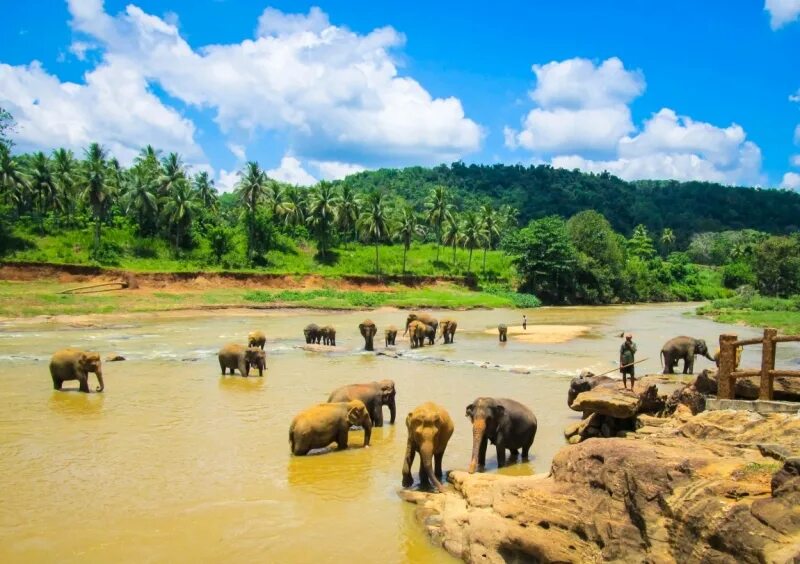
(699, 489)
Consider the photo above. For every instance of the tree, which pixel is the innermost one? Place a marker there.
(172, 173)
(251, 191)
(374, 222)
(42, 185)
(407, 228)
(491, 230)
(139, 199)
(640, 244)
(322, 207)
(777, 266)
(221, 242)
(276, 196)
(439, 212)
(6, 127)
(64, 173)
(12, 180)
(598, 277)
(473, 234)
(206, 193)
(667, 240)
(452, 233)
(295, 207)
(180, 207)
(96, 188)
(349, 210)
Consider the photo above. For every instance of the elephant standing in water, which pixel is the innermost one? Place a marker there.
(430, 334)
(368, 331)
(312, 333)
(390, 335)
(502, 331)
(447, 329)
(374, 395)
(256, 339)
(506, 423)
(323, 424)
(429, 429)
(685, 348)
(73, 364)
(417, 331)
(425, 318)
(328, 334)
(235, 356)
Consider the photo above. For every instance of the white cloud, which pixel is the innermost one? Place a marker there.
(551, 131)
(795, 160)
(226, 182)
(238, 151)
(791, 180)
(782, 12)
(335, 170)
(335, 93)
(79, 49)
(291, 171)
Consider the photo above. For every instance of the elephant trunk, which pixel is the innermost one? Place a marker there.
(392, 410)
(102, 385)
(426, 458)
(478, 430)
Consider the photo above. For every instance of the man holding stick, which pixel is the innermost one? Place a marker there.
(626, 360)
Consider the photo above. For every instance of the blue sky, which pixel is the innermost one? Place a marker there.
(683, 89)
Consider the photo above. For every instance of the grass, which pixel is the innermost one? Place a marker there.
(757, 311)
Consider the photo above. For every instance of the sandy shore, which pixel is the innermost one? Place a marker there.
(543, 334)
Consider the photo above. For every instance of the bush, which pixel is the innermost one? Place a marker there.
(107, 253)
(736, 274)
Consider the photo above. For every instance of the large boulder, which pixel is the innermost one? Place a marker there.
(784, 389)
(621, 404)
(585, 382)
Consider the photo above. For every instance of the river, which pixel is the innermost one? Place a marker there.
(175, 463)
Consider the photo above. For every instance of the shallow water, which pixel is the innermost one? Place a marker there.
(174, 462)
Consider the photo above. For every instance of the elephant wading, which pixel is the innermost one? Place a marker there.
(256, 339)
(72, 364)
(506, 423)
(429, 429)
(685, 348)
(425, 318)
(368, 331)
(390, 335)
(235, 356)
(328, 334)
(374, 395)
(502, 331)
(447, 330)
(417, 331)
(312, 333)
(323, 424)
(430, 334)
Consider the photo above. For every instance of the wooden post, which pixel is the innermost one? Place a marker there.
(767, 363)
(727, 359)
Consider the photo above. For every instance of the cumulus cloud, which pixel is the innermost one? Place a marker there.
(791, 180)
(782, 12)
(226, 181)
(291, 171)
(238, 151)
(335, 170)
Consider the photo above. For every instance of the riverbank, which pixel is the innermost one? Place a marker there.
(756, 311)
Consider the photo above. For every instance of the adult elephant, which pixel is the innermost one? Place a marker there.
(390, 335)
(417, 331)
(368, 331)
(313, 334)
(256, 339)
(328, 334)
(429, 429)
(685, 348)
(447, 330)
(235, 356)
(425, 318)
(374, 395)
(506, 423)
(74, 364)
(323, 424)
(502, 331)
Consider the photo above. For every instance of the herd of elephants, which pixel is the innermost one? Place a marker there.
(506, 423)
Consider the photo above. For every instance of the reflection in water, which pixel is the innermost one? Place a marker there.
(174, 462)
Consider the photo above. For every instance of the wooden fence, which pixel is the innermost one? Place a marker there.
(728, 371)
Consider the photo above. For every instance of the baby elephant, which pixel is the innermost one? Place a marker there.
(256, 339)
(235, 356)
(502, 330)
(391, 335)
(328, 335)
(72, 364)
(429, 429)
(323, 424)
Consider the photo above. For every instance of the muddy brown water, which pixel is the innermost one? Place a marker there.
(174, 462)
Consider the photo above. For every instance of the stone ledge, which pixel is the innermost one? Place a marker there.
(759, 406)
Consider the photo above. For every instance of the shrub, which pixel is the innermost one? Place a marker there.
(736, 274)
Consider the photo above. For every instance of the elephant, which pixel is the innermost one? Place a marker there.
(737, 358)
(686, 348)
(368, 331)
(74, 364)
(430, 334)
(391, 335)
(328, 334)
(323, 424)
(447, 330)
(506, 423)
(234, 356)
(584, 383)
(425, 318)
(429, 429)
(256, 339)
(313, 334)
(417, 334)
(374, 395)
(502, 331)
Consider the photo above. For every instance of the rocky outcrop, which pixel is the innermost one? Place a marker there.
(785, 389)
(698, 491)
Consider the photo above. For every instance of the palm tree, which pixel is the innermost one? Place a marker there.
(322, 206)
(473, 235)
(349, 208)
(42, 185)
(64, 171)
(180, 208)
(206, 193)
(276, 196)
(140, 200)
(452, 233)
(374, 222)
(251, 190)
(407, 227)
(439, 212)
(13, 182)
(295, 207)
(491, 230)
(96, 187)
(172, 173)
(667, 239)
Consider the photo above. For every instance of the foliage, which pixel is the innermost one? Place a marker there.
(737, 274)
(776, 262)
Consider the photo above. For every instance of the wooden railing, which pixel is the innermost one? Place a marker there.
(728, 371)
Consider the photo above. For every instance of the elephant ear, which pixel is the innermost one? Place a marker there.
(499, 411)
(408, 419)
(355, 415)
(471, 411)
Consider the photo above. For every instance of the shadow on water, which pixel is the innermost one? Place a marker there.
(74, 403)
(241, 384)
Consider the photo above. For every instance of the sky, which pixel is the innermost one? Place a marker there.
(680, 90)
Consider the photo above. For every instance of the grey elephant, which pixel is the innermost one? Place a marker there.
(429, 429)
(328, 334)
(685, 348)
(256, 339)
(447, 330)
(368, 330)
(506, 423)
(74, 364)
(425, 318)
(430, 334)
(390, 335)
(417, 331)
(374, 395)
(323, 424)
(312, 333)
(502, 331)
(235, 356)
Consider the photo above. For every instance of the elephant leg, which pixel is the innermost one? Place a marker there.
(84, 384)
(408, 480)
(501, 455)
(668, 364)
(513, 454)
(688, 365)
(341, 440)
(525, 450)
(56, 383)
(377, 415)
(222, 367)
(244, 368)
(437, 459)
(482, 454)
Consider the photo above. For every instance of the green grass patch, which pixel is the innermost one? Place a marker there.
(757, 311)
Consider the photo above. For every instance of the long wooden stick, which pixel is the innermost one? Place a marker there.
(624, 366)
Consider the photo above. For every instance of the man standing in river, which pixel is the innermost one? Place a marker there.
(626, 358)
(524, 322)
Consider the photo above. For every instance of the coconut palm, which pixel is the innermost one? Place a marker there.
(42, 185)
(295, 207)
(491, 229)
(439, 212)
(349, 208)
(206, 193)
(180, 207)
(452, 233)
(667, 239)
(140, 200)
(172, 173)
(64, 172)
(251, 190)
(374, 222)
(276, 197)
(321, 218)
(407, 228)
(13, 181)
(96, 188)
(473, 235)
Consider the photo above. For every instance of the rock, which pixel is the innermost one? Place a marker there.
(705, 383)
(573, 429)
(575, 439)
(688, 396)
(644, 420)
(585, 382)
(773, 451)
(114, 358)
(190, 359)
(790, 470)
(606, 401)
(650, 401)
(785, 389)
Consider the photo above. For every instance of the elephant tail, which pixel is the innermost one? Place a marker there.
(661, 358)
